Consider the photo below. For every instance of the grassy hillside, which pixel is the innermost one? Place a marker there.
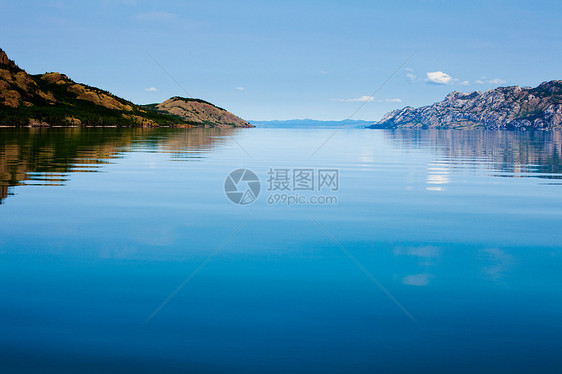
(53, 99)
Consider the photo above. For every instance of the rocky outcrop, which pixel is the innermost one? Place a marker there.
(200, 112)
(4, 60)
(501, 108)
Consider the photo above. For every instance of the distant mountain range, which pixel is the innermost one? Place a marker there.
(501, 108)
(53, 99)
(310, 123)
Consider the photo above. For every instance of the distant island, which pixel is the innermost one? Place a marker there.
(501, 108)
(53, 99)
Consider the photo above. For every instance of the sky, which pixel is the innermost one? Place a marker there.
(266, 60)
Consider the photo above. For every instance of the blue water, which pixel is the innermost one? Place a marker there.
(120, 252)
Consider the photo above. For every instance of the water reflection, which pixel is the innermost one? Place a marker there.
(437, 176)
(505, 153)
(417, 279)
(477, 265)
(426, 258)
(49, 156)
(31, 156)
(498, 262)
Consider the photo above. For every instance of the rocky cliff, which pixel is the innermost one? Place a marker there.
(501, 108)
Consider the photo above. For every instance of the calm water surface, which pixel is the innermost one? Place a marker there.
(119, 252)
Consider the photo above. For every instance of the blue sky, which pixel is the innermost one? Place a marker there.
(288, 59)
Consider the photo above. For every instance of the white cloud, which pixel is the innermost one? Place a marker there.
(240, 88)
(464, 83)
(151, 89)
(417, 279)
(359, 99)
(363, 99)
(438, 77)
(483, 80)
(410, 74)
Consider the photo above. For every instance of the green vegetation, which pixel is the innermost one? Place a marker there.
(87, 113)
(53, 99)
(67, 107)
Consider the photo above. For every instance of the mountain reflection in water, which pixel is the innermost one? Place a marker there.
(47, 157)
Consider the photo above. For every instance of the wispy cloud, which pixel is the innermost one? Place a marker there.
(151, 89)
(483, 80)
(438, 77)
(363, 99)
(359, 99)
(410, 74)
(240, 88)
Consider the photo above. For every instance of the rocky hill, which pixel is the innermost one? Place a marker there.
(53, 99)
(199, 112)
(501, 108)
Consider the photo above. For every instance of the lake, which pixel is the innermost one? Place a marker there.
(331, 251)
